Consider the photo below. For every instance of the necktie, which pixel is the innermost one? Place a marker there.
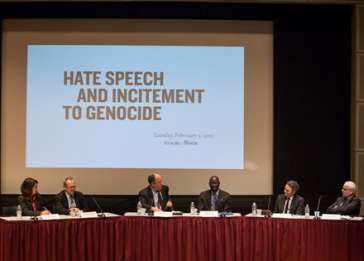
(159, 200)
(343, 202)
(285, 208)
(213, 202)
(34, 204)
(73, 202)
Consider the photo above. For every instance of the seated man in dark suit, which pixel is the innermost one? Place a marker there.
(69, 199)
(348, 203)
(214, 198)
(155, 197)
(290, 202)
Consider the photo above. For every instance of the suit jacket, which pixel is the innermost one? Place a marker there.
(27, 208)
(223, 201)
(146, 197)
(297, 205)
(345, 206)
(61, 202)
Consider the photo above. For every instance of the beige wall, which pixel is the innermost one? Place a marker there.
(358, 102)
(257, 39)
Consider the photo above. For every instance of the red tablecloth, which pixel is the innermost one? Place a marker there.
(139, 238)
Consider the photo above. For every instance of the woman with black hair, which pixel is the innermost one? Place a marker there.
(30, 200)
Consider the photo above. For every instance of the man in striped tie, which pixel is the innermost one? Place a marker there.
(155, 197)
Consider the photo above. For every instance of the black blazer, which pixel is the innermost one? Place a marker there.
(223, 201)
(27, 208)
(297, 205)
(349, 206)
(145, 197)
(61, 203)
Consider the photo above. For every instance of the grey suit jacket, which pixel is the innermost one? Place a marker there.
(146, 197)
(345, 206)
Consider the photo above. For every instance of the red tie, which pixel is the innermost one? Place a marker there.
(34, 206)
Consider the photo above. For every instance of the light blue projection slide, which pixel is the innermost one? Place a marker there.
(206, 135)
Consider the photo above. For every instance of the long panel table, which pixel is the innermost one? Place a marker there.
(182, 238)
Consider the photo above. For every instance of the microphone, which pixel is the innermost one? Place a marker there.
(101, 214)
(319, 202)
(269, 200)
(267, 212)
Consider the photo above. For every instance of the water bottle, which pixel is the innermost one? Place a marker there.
(139, 207)
(307, 211)
(18, 211)
(192, 208)
(254, 208)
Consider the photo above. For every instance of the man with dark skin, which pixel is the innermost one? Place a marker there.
(214, 198)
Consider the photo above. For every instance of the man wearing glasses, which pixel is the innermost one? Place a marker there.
(348, 203)
(69, 200)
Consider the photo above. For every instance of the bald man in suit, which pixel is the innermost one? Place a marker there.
(348, 203)
(155, 197)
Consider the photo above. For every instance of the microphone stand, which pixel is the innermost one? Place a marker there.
(34, 217)
(267, 212)
(101, 214)
(318, 207)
